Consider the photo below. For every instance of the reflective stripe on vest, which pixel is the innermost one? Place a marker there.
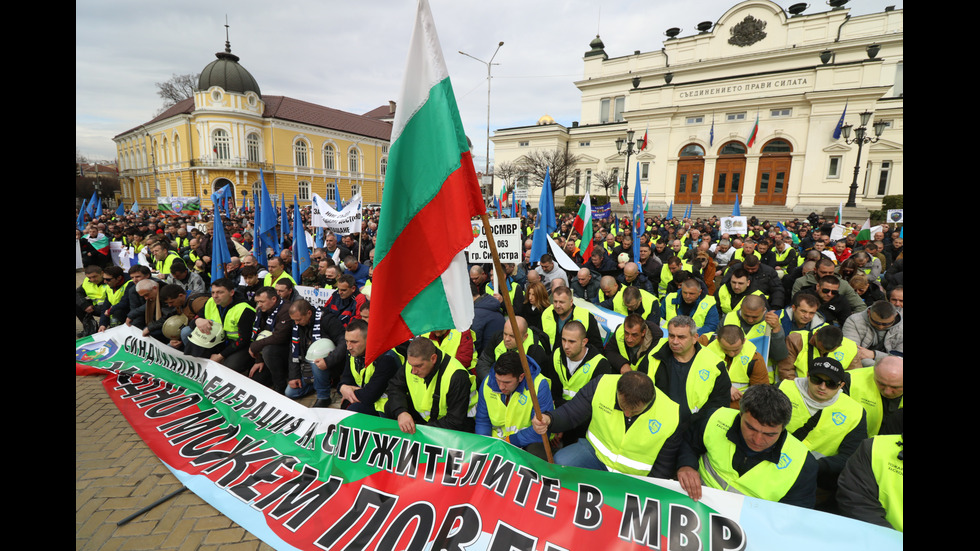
(550, 326)
(423, 394)
(582, 375)
(633, 450)
(96, 293)
(701, 376)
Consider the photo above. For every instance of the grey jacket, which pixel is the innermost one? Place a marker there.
(858, 328)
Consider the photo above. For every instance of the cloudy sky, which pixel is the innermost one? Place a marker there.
(351, 55)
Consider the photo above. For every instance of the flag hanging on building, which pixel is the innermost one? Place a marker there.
(711, 134)
(583, 225)
(755, 131)
(431, 193)
(840, 123)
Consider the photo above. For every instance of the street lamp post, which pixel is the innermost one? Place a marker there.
(860, 138)
(628, 152)
(489, 65)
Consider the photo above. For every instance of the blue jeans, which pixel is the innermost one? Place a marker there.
(579, 454)
(320, 384)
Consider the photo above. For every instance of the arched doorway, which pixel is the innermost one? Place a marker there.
(222, 182)
(729, 172)
(774, 173)
(690, 169)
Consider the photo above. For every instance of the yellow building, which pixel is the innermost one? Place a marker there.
(229, 131)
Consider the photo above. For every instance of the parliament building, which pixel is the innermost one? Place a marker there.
(744, 109)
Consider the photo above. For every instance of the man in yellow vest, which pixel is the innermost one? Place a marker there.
(535, 346)
(562, 311)
(163, 257)
(363, 386)
(277, 271)
(433, 389)
(830, 423)
(629, 346)
(90, 299)
(881, 391)
(749, 452)
(231, 312)
(504, 408)
(872, 485)
(745, 365)
(803, 346)
(631, 427)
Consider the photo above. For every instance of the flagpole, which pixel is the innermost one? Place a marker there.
(505, 293)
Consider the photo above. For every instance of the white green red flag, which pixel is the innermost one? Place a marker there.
(431, 192)
(755, 131)
(866, 233)
(619, 191)
(646, 202)
(583, 225)
(839, 215)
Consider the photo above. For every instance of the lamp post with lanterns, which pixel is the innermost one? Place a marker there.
(860, 138)
(629, 151)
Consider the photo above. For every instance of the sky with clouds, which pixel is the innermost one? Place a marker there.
(351, 55)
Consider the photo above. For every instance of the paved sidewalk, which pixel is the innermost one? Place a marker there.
(116, 475)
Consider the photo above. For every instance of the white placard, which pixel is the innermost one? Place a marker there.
(735, 224)
(316, 296)
(895, 216)
(507, 236)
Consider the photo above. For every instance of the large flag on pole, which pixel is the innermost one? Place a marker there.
(301, 252)
(90, 209)
(619, 192)
(120, 210)
(839, 215)
(755, 131)
(135, 208)
(265, 225)
(546, 221)
(80, 222)
(219, 247)
(637, 215)
(284, 222)
(583, 225)
(644, 142)
(670, 211)
(735, 210)
(867, 232)
(431, 194)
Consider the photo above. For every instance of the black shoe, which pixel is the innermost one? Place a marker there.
(322, 403)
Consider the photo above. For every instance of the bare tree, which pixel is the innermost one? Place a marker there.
(177, 89)
(559, 161)
(606, 179)
(509, 172)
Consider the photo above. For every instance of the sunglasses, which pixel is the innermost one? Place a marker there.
(817, 380)
(833, 292)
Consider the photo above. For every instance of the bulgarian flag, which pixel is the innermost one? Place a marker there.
(866, 233)
(839, 215)
(755, 131)
(100, 243)
(431, 192)
(619, 191)
(646, 203)
(583, 224)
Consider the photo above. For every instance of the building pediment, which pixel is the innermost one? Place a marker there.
(884, 146)
(837, 147)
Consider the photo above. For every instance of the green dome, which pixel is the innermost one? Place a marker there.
(228, 74)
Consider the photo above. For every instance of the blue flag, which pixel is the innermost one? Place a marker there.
(265, 224)
(336, 195)
(120, 210)
(840, 123)
(80, 222)
(711, 135)
(637, 216)
(98, 208)
(615, 224)
(670, 211)
(319, 238)
(735, 210)
(301, 253)
(284, 222)
(523, 208)
(90, 209)
(546, 222)
(135, 208)
(219, 247)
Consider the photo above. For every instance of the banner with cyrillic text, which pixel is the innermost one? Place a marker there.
(316, 478)
(345, 222)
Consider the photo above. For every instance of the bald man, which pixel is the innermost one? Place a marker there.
(880, 390)
(632, 277)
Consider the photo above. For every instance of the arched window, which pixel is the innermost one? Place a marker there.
(222, 144)
(256, 193)
(732, 148)
(384, 167)
(176, 149)
(692, 150)
(777, 146)
(353, 161)
(304, 191)
(252, 147)
(329, 157)
(299, 151)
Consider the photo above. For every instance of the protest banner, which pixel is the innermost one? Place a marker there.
(735, 224)
(345, 222)
(179, 206)
(602, 212)
(506, 235)
(317, 478)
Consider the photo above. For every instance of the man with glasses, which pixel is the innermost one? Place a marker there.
(833, 307)
(830, 423)
(878, 332)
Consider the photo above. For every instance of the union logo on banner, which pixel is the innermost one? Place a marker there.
(96, 351)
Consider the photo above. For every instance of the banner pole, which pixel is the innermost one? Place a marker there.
(505, 293)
